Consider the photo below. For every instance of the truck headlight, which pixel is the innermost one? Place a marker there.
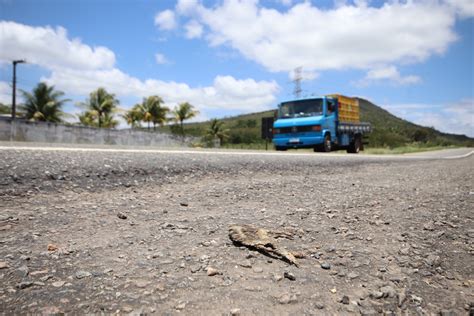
(316, 128)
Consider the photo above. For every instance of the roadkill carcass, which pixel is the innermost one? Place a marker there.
(264, 241)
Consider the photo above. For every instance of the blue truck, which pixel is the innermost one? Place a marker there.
(324, 124)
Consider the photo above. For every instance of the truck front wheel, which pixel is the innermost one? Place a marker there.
(326, 146)
(327, 143)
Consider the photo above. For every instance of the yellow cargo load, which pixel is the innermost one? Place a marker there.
(348, 108)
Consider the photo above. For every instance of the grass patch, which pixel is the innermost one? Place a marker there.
(403, 150)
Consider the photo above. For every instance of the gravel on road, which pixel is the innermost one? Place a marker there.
(93, 232)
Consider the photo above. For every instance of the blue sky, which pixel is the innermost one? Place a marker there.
(414, 58)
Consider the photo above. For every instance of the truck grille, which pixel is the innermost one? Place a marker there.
(295, 129)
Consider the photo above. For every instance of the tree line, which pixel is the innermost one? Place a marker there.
(45, 103)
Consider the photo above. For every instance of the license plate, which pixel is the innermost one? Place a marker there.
(294, 140)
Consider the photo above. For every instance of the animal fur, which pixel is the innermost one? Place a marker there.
(263, 240)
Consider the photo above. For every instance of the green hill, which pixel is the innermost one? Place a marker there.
(388, 130)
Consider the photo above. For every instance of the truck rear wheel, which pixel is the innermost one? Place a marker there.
(280, 148)
(355, 146)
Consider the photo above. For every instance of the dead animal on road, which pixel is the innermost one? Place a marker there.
(263, 240)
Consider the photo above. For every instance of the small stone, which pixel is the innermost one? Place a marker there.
(121, 216)
(388, 291)
(416, 299)
(432, 260)
(6, 227)
(325, 266)
(211, 271)
(52, 247)
(404, 251)
(141, 283)
(333, 291)
(290, 276)
(127, 309)
(180, 306)
(4, 265)
(24, 285)
(46, 278)
(246, 264)
(277, 277)
(287, 299)
(235, 311)
(376, 294)
(319, 305)
(299, 254)
(258, 270)
(353, 275)
(429, 226)
(196, 268)
(23, 271)
(184, 204)
(401, 298)
(82, 274)
(58, 283)
(345, 300)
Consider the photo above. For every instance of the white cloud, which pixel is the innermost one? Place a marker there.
(345, 37)
(456, 118)
(388, 74)
(186, 6)
(166, 20)
(226, 92)
(79, 69)
(50, 48)
(161, 59)
(193, 29)
(464, 8)
(5, 93)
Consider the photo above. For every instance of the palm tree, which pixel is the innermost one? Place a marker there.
(216, 130)
(133, 116)
(88, 118)
(152, 111)
(43, 104)
(101, 105)
(108, 121)
(182, 112)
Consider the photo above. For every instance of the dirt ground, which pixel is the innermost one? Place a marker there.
(373, 237)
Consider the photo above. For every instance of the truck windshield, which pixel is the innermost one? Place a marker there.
(302, 108)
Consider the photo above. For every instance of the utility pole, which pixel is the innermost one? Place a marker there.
(297, 80)
(15, 62)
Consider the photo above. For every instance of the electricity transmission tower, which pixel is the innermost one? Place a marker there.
(297, 80)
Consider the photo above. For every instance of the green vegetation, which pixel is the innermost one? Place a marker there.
(390, 131)
(404, 149)
(182, 112)
(44, 104)
(5, 109)
(216, 131)
(100, 108)
(151, 111)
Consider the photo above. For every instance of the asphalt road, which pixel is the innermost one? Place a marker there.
(118, 230)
